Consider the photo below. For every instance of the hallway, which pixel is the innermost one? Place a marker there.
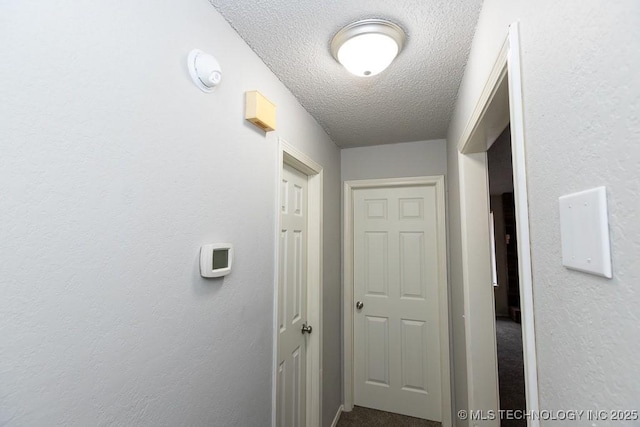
(122, 162)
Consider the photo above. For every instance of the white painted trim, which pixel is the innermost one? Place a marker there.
(287, 154)
(496, 76)
(473, 206)
(334, 423)
(347, 297)
(348, 303)
(479, 311)
(480, 335)
(522, 222)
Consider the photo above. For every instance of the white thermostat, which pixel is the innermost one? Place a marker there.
(216, 259)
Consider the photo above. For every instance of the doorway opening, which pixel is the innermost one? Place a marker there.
(500, 104)
(506, 283)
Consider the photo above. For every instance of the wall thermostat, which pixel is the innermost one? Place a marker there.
(216, 259)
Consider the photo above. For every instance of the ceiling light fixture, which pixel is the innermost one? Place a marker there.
(365, 48)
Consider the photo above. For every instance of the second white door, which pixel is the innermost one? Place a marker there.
(292, 300)
(396, 317)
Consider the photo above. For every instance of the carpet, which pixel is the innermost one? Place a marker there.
(510, 369)
(365, 417)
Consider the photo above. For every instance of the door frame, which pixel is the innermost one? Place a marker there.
(288, 154)
(443, 298)
(482, 372)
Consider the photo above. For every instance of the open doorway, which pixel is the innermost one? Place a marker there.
(500, 105)
(506, 281)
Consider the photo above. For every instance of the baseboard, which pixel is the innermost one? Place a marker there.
(337, 417)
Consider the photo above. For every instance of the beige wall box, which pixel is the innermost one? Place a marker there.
(260, 111)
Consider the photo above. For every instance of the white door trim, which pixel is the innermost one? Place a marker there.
(473, 209)
(348, 308)
(287, 154)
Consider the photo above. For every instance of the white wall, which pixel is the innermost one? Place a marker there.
(420, 158)
(581, 94)
(456, 290)
(114, 170)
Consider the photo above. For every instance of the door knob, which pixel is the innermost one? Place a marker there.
(359, 305)
(306, 329)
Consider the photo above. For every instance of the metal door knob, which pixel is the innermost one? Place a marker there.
(359, 305)
(306, 328)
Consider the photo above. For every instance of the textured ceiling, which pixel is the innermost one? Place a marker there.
(412, 100)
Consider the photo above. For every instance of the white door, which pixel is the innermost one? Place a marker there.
(396, 326)
(292, 300)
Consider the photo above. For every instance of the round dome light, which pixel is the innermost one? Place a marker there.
(365, 48)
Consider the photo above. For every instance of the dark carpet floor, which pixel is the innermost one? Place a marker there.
(510, 369)
(365, 417)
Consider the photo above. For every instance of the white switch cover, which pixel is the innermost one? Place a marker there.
(584, 230)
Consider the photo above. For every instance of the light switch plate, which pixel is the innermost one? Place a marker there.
(584, 231)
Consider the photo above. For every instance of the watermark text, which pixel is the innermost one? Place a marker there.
(555, 415)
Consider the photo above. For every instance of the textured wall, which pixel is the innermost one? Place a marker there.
(456, 291)
(114, 170)
(581, 94)
(420, 158)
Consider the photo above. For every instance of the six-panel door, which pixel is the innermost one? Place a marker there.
(292, 300)
(396, 332)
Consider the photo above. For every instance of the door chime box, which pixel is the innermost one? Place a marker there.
(260, 111)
